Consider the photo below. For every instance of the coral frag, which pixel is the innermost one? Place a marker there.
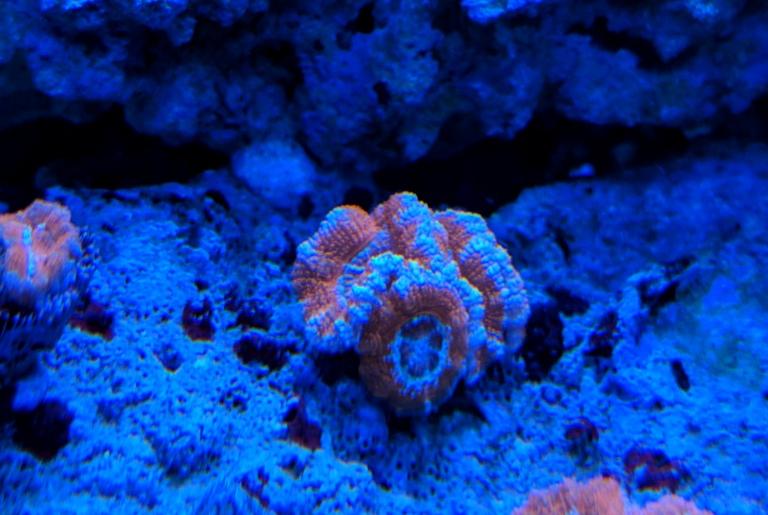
(426, 298)
(600, 496)
(43, 274)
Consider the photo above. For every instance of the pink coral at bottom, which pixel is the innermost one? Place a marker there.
(600, 496)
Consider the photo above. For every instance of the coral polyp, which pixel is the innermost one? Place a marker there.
(43, 274)
(425, 298)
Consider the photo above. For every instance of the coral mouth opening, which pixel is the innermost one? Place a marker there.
(419, 345)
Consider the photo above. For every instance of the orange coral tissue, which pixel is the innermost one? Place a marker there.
(43, 273)
(425, 298)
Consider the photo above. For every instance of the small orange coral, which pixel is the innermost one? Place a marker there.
(425, 298)
(41, 247)
(43, 274)
(599, 496)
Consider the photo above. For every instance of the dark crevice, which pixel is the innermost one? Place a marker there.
(197, 320)
(306, 207)
(106, 153)
(43, 430)
(543, 344)
(397, 424)
(645, 51)
(561, 240)
(752, 7)
(459, 402)
(567, 302)
(601, 342)
(7, 393)
(332, 368)
(359, 196)
(281, 65)
(750, 125)
(492, 172)
(657, 292)
(449, 17)
(145, 53)
(95, 318)
(383, 96)
(300, 429)
(260, 348)
(680, 375)
(364, 23)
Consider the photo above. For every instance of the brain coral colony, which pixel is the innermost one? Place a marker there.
(425, 298)
(43, 275)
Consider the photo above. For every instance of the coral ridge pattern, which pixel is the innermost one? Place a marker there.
(425, 298)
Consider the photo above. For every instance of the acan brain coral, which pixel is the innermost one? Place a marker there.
(43, 273)
(425, 298)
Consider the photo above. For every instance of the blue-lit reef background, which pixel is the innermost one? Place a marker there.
(616, 149)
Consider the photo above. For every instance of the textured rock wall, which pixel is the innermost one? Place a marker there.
(365, 84)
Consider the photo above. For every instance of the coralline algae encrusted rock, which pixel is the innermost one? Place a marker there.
(425, 298)
(43, 273)
(364, 84)
(280, 172)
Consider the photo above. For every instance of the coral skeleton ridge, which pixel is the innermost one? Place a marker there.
(425, 298)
